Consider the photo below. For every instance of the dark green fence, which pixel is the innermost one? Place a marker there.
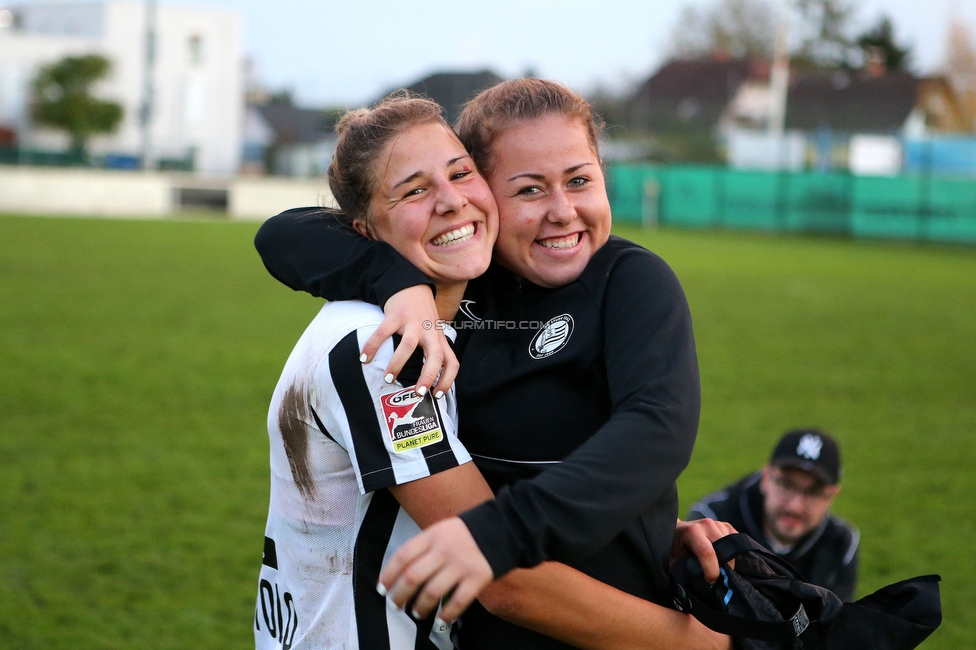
(920, 207)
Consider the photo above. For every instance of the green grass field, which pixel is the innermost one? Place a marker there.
(137, 359)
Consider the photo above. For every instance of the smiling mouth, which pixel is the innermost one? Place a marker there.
(557, 243)
(462, 234)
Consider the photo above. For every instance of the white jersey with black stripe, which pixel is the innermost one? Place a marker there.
(339, 435)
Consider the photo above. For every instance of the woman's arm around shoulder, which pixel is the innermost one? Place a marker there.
(309, 249)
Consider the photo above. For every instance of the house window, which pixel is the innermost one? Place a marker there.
(196, 50)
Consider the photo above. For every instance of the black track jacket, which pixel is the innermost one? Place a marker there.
(591, 390)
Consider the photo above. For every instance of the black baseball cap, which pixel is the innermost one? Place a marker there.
(811, 450)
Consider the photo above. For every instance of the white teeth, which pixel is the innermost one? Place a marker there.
(560, 242)
(461, 234)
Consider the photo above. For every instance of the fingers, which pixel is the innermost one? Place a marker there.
(440, 363)
(696, 537)
(434, 343)
(421, 583)
(438, 356)
(443, 560)
(404, 557)
(413, 313)
(449, 371)
(408, 343)
(464, 594)
(705, 553)
(390, 326)
(429, 594)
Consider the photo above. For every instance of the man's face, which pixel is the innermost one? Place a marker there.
(796, 503)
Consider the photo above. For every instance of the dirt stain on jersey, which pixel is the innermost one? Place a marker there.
(291, 422)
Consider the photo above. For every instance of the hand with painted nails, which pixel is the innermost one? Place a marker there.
(442, 560)
(412, 313)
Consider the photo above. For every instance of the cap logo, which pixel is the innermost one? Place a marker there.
(809, 447)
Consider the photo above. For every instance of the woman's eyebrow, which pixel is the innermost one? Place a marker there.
(535, 177)
(418, 174)
(539, 177)
(575, 168)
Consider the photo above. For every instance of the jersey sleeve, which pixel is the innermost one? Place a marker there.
(392, 435)
(628, 466)
(309, 250)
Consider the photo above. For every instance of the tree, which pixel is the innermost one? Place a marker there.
(281, 98)
(881, 40)
(961, 67)
(820, 29)
(823, 33)
(734, 27)
(63, 99)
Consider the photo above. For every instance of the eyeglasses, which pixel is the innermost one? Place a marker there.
(789, 488)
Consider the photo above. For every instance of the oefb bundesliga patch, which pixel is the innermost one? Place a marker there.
(411, 420)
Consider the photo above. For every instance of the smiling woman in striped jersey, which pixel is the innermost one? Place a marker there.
(343, 439)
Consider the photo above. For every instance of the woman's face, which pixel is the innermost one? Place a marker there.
(433, 206)
(552, 200)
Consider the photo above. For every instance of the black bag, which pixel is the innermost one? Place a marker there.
(765, 604)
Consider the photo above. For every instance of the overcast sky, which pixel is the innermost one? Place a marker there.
(348, 52)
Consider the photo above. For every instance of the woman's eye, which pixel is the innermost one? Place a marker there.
(579, 181)
(459, 175)
(531, 190)
(414, 192)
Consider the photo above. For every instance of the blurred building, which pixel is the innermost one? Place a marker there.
(453, 89)
(863, 120)
(198, 101)
(699, 93)
(718, 108)
(692, 106)
(289, 141)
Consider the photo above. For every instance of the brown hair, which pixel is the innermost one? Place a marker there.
(493, 110)
(363, 133)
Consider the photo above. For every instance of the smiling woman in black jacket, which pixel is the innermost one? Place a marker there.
(578, 367)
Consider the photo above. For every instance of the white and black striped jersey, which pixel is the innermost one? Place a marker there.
(339, 436)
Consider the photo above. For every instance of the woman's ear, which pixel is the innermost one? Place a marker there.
(362, 228)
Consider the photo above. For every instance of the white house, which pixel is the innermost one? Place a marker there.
(198, 99)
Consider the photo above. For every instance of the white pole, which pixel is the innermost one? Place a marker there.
(779, 81)
(146, 111)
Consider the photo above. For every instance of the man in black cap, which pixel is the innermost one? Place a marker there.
(785, 507)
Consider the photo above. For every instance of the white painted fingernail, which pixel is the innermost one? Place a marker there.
(414, 613)
(392, 605)
(362, 359)
(380, 589)
(439, 394)
(389, 378)
(421, 390)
